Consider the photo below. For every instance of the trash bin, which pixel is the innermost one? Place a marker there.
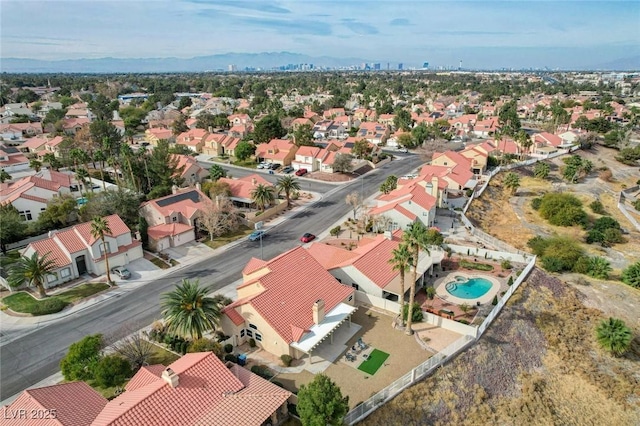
(242, 359)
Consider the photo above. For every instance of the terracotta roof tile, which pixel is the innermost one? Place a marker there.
(253, 265)
(55, 252)
(167, 229)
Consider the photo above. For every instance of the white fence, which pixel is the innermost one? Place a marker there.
(622, 206)
(378, 302)
(451, 325)
(488, 254)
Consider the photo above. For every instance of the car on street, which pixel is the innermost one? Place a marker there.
(275, 166)
(256, 235)
(301, 172)
(287, 169)
(263, 165)
(121, 272)
(403, 149)
(307, 237)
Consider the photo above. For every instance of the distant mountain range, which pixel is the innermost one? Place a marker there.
(265, 61)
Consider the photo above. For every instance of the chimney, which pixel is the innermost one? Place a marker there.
(171, 377)
(198, 186)
(253, 181)
(388, 235)
(210, 129)
(318, 311)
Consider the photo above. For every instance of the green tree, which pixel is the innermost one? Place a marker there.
(111, 370)
(401, 261)
(53, 162)
(263, 196)
(576, 167)
(631, 275)
(389, 184)
(206, 120)
(185, 102)
(511, 182)
(268, 128)
(105, 135)
(180, 125)
(33, 270)
(244, 150)
(54, 116)
(162, 171)
(320, 403)
(12, 226)
(303, 135)
(508, 118)
(343, 163)
(614, 336)
(82, 358)
(541, 170)
(287, 185)
(216, 172)
(599, 267)
(361, 148)
(35, 164)
(99, 230)
(403, 120)
(420, 133)
(125, 204)
(562, 209)
(415, 237)
(4, 176)
(188, 311)
(60, 212)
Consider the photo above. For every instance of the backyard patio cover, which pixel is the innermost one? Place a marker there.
(318, 332)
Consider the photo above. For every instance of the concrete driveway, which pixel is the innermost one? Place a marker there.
(188, 251)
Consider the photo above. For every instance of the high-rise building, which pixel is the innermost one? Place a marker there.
(232, 68)
(376, 67)
(400, 66)
(425, 65)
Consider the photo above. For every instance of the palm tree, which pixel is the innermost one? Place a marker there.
(288, 184)
(4, 176)
(101, 158)
(599, 267)
(33, 270)
(511, 182)
(614, 336)
(401, 261)
(51, 160)
(189, 312)
(100, 228)
(541, 170)
(82, 175)
(415, 237)
(263, 196)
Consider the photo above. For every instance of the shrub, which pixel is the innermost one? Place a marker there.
(597, 207)
(228, 348)
(614, 336)
(286, 360)
(636, 205)
(205, 345)
(582, 265)
(562, 209)
(463, 321)
(494, 302)
(335, 231)
(252, 342)
(262, 371)
(552, 264)
(599, 267)
(231, 357)
(631, 275)
(606, 175)
(416, 312)
(81, 359)
(505, 264)
(510, 281)
(535, 203)
(477, 266)
(49, 306)
(112, 370)
(557, 253)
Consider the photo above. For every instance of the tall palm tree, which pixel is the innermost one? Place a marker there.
(511, 182)
(401, 260)
(33, 270)
(263, 196)
(100, 157)
(82, 175)
(100, 228)
(415, 237)
(188, 311)
(288, 184)
(51, 160)
(614, 336)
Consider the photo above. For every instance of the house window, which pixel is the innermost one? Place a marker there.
(356, 286)
(249, 333)
(350, 298)
(253, 326)
(65, 272)
(174, 218)
(105, 248)
(52, 277)
(26, 214)
(259, 337)
(242, 333)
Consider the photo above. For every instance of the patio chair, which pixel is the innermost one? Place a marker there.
(350, 357)
(362, 345)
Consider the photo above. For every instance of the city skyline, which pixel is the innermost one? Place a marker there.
(567, 34)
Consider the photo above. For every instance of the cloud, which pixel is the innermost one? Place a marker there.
(399, 22)
(257, 6)
(359, 27)
(289, 27)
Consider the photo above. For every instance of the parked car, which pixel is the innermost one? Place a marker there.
(287, 169)
(255, 235)
(301, 172)
(403, 149)
(275, 166)
(263, 165)
(121, 272)
(307, 237)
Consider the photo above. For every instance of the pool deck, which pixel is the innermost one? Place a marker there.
(441, 291)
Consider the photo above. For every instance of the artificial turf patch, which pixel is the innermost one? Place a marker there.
(373, 363)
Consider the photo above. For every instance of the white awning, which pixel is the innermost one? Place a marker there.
(319, 332)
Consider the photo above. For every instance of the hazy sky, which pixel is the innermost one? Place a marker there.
(505, 33)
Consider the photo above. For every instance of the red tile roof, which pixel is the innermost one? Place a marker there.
(117, 226)
(253, 265)
(54, 251)
(74, 404)
(167, 229)
(243, 187)
(283, 308)
(208, 393)
(184, 203)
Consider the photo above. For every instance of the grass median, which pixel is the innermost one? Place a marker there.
(25, 303)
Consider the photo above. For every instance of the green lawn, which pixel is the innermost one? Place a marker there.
(162, 356)
(373, 363)
(23, 302)
(229, 238)
(159, 262)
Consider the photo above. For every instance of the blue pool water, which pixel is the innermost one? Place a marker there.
(471, 288)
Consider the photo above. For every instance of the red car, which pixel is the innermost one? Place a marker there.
(307, 237)
(301, 172)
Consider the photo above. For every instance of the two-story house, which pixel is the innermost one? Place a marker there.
(277, 151)
(219, 144)
(76, 252)
(193, 139)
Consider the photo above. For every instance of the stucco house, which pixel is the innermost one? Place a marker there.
(218, 144)
(278, 151)
(76, 252)
(193, 139)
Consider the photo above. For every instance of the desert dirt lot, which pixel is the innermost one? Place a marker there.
(537, 364)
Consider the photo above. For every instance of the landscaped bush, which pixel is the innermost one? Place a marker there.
(505, 264)
(416, 312)
(477, 266)
(82, 358)
(557, 253)
(597, 207)
(463, 321)
(231, 357)
(562, 209)
(286, 360)
(631, 275)
(606, 231)
(510, 281)
(494, 302)
(228, 348)
(49, 306)
(112, 370)
(262, 371)
(205, 345)
(252, 342)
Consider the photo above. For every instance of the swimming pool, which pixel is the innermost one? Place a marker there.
(468, 288)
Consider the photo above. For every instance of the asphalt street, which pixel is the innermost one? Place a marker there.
(36, 356)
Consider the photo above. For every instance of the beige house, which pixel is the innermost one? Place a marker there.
(156, 134)
(218, 144)
(279, 151)
(288, 305)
